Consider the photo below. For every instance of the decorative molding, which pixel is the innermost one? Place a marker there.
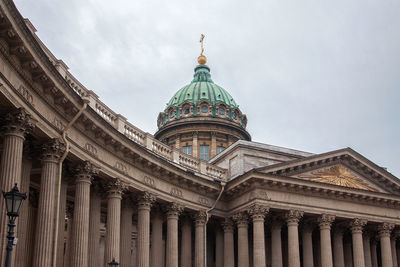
(203, 201)
(149, 181)
(26, 94)
(176, 192)
(58, 124)
(91, 149)
(122, 167)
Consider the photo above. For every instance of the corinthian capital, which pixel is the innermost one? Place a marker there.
(18, 122)
(258, 211)
(241, 219)
(116, 187)
(325, 221)
(85, 171)
(146, 199)
(200, 217)
(53, 150)
(385, 229)
(228, 225)
(357, 225)
(174, 210)
(294, 216)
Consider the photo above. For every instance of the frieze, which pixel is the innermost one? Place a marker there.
(26, 94)
(149, 181)
(203, 201)
(176, 192)
(58, 124)
(259, 194)
(91, 149)
(121, 167)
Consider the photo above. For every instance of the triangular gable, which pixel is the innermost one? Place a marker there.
(343, 167)
(339, 175)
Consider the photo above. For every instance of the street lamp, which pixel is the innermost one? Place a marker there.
(113, 263)
(14, 201)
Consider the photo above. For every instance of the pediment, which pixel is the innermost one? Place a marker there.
(344, 168)
(339, 175)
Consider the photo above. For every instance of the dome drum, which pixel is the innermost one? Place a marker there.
(205, 114)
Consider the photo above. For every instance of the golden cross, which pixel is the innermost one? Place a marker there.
(201, 41)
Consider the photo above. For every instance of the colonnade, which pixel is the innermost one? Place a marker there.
(252, 237)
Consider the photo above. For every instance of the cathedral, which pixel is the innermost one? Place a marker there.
(197, 193)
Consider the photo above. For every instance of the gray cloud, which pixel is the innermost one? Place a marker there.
(311, 75)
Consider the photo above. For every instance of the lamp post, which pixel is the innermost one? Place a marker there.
(14, 201)
(113, 263)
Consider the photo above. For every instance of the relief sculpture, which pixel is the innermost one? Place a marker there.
(338, 175)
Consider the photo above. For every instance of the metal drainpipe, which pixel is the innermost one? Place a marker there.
(205, 226)
(64, 137)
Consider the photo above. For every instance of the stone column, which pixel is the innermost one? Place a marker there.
(325, 222)
(61, 222)
(113, 235)
(126, 232)
(186, 243)
(276, 243)
(80, 228)
(213, 144)
(386, 251)
(358, 250)
(308, 256)
(43, 251)
(257, 213)
(229, 250)
(394, 254)
(134, 242)
(367, 249)
(16, 124)
(32, 211)
(242, 223)
(156, 237)
(338, 252)
(293, 217)
(219, 247)
(374, 256)
(143, 227)
(94, 226)
(23, 223)
(200, 220)
(70, 221)
(173, 212)
(195, 145)
(348, 255)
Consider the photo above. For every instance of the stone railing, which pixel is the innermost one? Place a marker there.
(145, 139)
(133, 133)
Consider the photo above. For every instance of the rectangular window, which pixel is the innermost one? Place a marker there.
(205, 153)
(187, 150)
(220, 149)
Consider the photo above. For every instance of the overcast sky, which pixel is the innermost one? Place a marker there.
(313, 75)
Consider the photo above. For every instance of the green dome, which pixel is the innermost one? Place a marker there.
(202, 88)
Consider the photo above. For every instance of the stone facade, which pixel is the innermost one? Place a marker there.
(121, 193)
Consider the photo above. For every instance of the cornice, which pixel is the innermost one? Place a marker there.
(253, 179)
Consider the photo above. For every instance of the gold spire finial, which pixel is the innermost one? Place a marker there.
(202, 59)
